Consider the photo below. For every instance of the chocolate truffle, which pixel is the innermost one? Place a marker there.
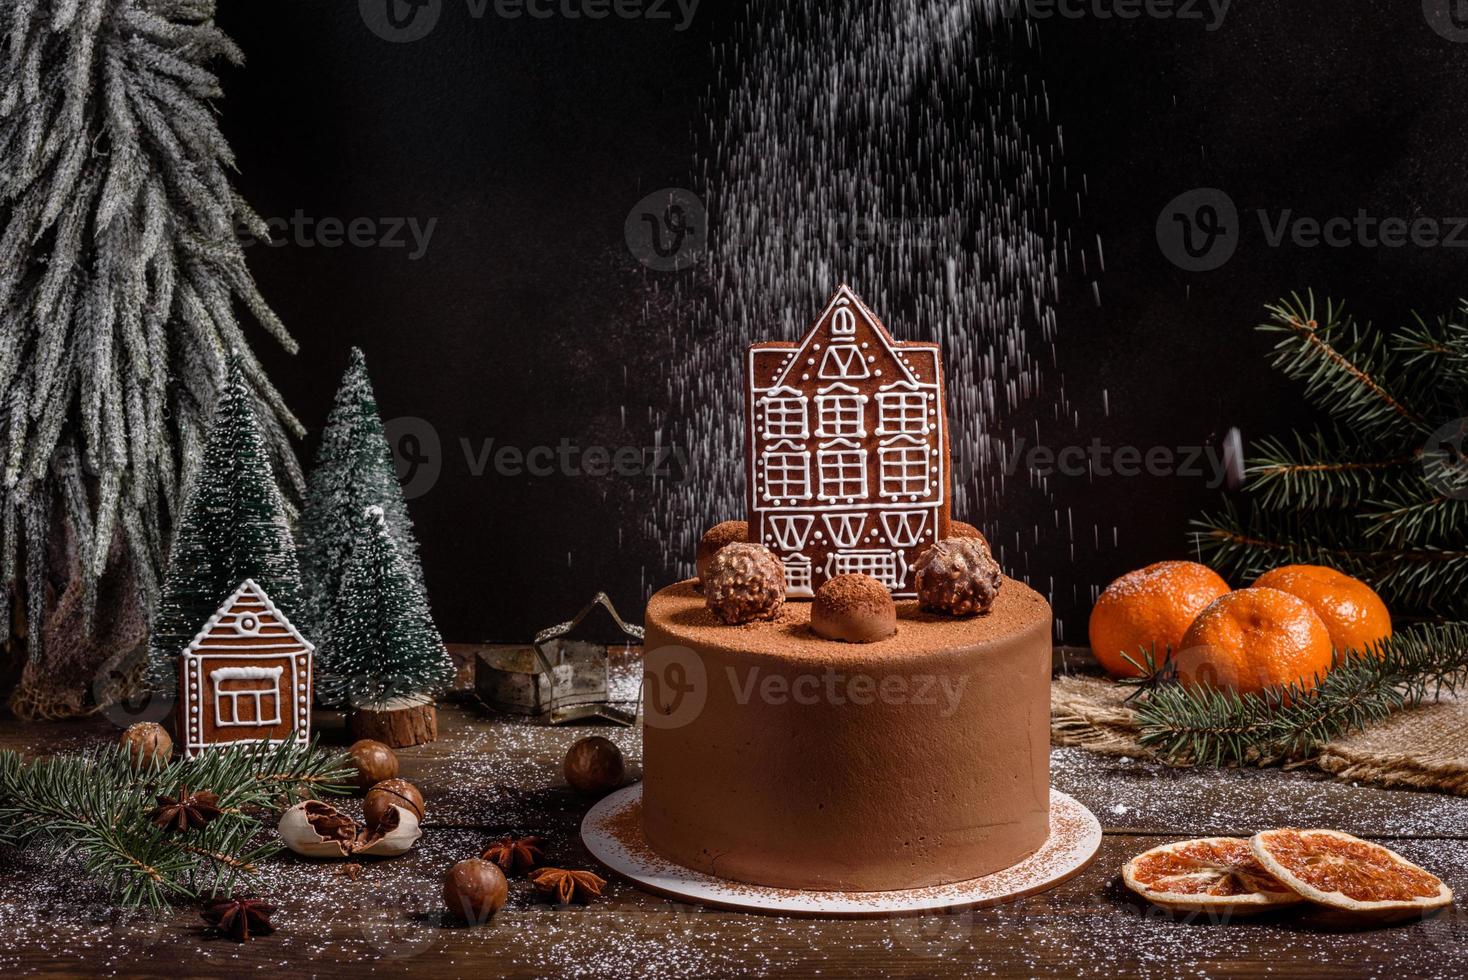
(962, 529)
(855, 608)
(957, 576)
(725, 532)
(745, 582)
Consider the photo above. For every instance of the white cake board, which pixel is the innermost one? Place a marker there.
(615, 839)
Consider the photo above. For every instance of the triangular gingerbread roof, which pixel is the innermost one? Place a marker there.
(229, 613)
(777, 361)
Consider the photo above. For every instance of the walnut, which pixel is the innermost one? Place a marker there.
(957, 576)
(745, 582)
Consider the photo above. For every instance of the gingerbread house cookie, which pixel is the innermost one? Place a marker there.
(847, 466)
(245, 678)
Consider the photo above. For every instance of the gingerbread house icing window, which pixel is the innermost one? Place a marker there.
(902, 411)
(906, 467)
(847, 463)
(787, 475)
(843, 470)
(786, 415)
(246, 677)
(842, 411)
(246, 696)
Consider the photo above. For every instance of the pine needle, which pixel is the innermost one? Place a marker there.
(92, 809)
(1208, 727)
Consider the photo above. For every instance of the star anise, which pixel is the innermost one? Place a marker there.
(185, 810)
(239, 917)
(514, 854)
(568, 886)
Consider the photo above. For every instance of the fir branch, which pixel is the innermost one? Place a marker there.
(1424, 580)
(93, 808)
(1321, 470)
(1342, 367)
(1209, 727)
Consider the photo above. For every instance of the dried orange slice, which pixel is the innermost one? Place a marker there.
(1350, 875)
(1212, 874)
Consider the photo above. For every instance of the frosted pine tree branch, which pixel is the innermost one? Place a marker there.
(120, 270)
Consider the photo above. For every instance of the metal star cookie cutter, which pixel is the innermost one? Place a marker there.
(557, 678)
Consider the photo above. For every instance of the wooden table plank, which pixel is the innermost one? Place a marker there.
(486, 777)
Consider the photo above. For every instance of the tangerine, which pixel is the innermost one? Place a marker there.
(1254, 639)
(1350, 609)
(1150, 609)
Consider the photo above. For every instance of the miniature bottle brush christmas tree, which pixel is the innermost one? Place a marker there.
(382, 657)
(234, 527)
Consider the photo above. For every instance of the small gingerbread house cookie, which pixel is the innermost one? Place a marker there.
(245, 678)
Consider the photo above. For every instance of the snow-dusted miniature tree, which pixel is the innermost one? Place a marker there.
(120, 274)
(380, 642)
(354, 470)
(234, 526)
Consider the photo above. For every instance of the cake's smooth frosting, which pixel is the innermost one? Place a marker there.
(775, 757)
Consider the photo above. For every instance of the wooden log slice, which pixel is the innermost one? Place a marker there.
(398, 722)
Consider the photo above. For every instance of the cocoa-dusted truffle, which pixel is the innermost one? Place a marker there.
(855, 608)
(957, 576)
(963, 529)
(745, 582)
(725, 532)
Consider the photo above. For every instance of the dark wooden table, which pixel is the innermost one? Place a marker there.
(486, 777)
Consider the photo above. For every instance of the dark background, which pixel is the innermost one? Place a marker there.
(530, 140)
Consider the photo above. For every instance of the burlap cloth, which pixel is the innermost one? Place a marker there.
(1423, 748)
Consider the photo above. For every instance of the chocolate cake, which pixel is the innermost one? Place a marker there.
(847, 756)
(915, 760)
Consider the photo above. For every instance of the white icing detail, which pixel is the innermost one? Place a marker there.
(887, 567)
(787, 474)
(843, 470)
(843, 321)
(901, 411)
(905, 527)
(786, 414)
(845, 528)
(906, 466)
(844, 361)
(797, 576)
(261, 701)
(841, 410)
(790, 530)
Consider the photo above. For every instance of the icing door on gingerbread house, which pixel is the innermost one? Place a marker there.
(246, 677)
